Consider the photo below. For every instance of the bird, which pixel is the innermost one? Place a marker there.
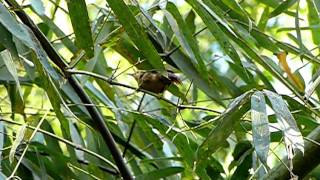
(154, 81)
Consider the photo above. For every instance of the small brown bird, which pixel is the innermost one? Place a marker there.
(154, 81)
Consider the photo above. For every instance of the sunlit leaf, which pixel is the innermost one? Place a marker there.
(260, 126)
(161, 173)
(292, 135)
(237, 108)
(283, 6)
(78, 13)
(136, 33)
(19, 137)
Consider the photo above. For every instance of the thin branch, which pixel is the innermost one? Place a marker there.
(76, 146)
(69, 143)
(111, 82)
(62, 37)
(27, 146)
(83, 171)
(132, 127)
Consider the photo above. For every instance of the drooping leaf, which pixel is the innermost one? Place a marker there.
(282, 7)
(38, 6)
(314, 20)
(221, 132)
(78, 13)
(292, 135)
(260, 126)
(185, 38)
(206, 16)
(136, 32)
(160, 173)
(19, 137)
(14, 90)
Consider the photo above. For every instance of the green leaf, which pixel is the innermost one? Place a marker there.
(133, 55)
(190, 21)
(175, 158)
(298, 32)
(185, 38)
(292, 135)
(260, 126)
(58, 32)
(77, 139)
(7, 41)
(206, 16)
(38, 6)
(181, 141)
(235, 6)
(221, 132)
(160, 173)
(15, 91)
(2, 138)
(81, 26)
(19, 137)
(15, 28)
(136, 33)
(302, 48)
(313, 20)
(264, 19)
(175, 91)
(243, 159)
(282, 7)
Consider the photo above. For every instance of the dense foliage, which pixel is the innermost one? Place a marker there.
(247, 107)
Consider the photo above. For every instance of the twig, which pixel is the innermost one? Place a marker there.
(132, 126)
(76, 146)
(27, 146)
(111, 82)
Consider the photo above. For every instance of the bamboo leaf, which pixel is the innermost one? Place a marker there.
(14, 90)
(237, 108)
(282, 7)
(313, 19)
(78, 13)
(38, 6)
(264, 19)
(136, 33)
(19, 137)
(185, 38)
(2, 140)
(160, 173)
(260, 127)
(292, 135)
(215, 30)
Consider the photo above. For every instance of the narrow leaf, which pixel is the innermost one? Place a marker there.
(215, 30)
(227, 120)
(160, 173)
(136, 33)
(264, 19)
(260, 127)
(313, 20)
(17, 141)
(38, 6)
(292, 135)
(81, 25)
(2, 136)
(8, 61)
(284, 6)
(184, 36)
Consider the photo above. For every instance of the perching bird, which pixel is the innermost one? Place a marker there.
(154, 81)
